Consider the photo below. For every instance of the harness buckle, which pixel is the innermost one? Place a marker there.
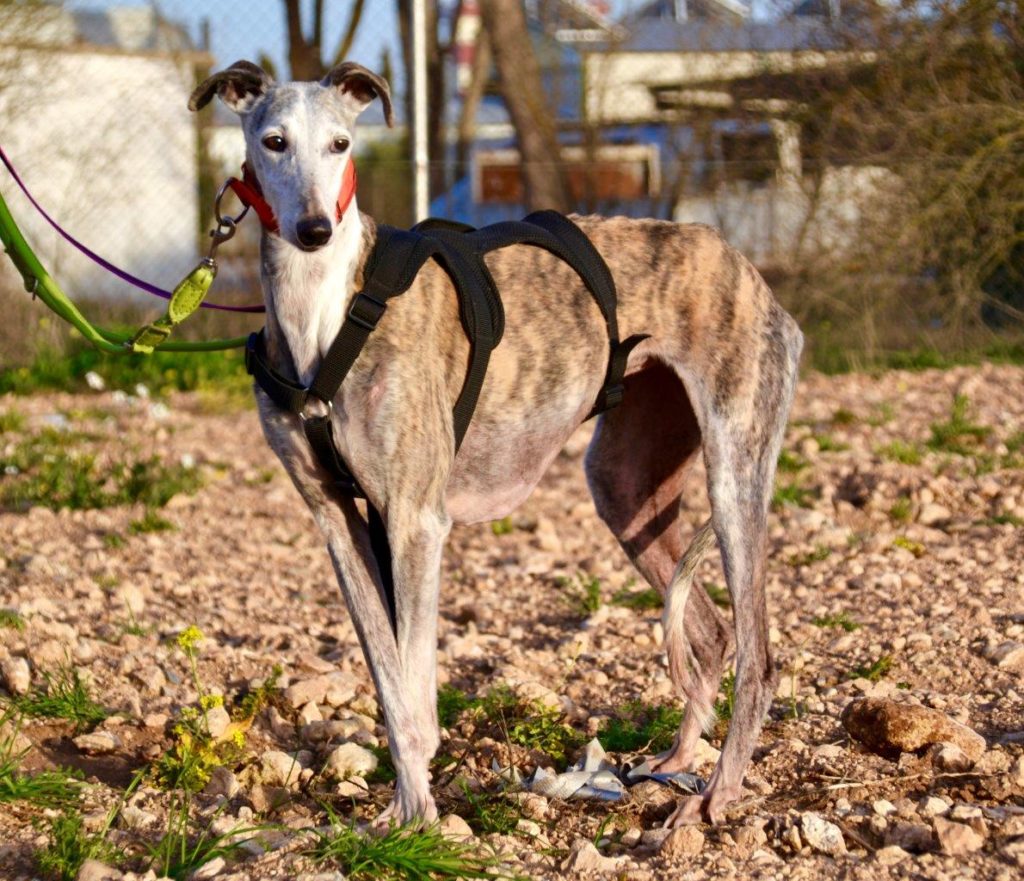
(365, 311)
(306, 417)
(611, 397)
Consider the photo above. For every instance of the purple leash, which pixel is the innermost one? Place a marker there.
(106, 264)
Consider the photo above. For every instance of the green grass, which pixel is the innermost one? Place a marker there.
(828, 444)
(451, 703)
(11, 421)
(641, 727)
(70, 846)
(503, 526)
(151, 521)
(958, 434)
(63, 696)
(1003, 520)
(11, 620)
(901, 510)
(161, 372)
(791, 463)
(819, 553)
(490, 812)
(874, 671)
(724, 705)
(44, 470)
(644, 600)
(835, 358)
(47, 789)
(841, 620)
(794, 495)
(398, 855)
(902, 452)
(719, 595)
(540, 727)
(915, 547)
(583, 592)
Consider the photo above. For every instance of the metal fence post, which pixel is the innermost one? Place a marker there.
(421, 159)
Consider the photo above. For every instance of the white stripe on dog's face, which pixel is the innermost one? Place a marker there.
(298, 140)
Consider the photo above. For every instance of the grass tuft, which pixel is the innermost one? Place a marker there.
(11, 620)
(70, 846)
(63, 696)
(151, 522)
(399, 854)
(49, 789)
(490, 812)
(842, 620)
(874, 671)
(504, 526)
(644, 600)
(640, 727)
(583, 592)
(908, 544)
(901, 510)
(902, 452)
(819, 553)
(958, 434)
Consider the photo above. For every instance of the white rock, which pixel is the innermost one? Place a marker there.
(279, 769)
(821, 835)
(223, 782)
(98, 742)
(584, 857)
(94, 870)
(682, 841)
(705, 754)
(217, 721)
(1009, 656)
(210, 869)
(932, 806)
(453, 826)
(933, 514)
(349, 760)
(883, 807)
(16, 675)
(956, 839)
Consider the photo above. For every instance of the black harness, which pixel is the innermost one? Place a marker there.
(396, 259)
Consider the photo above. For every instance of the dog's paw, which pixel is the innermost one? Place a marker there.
(707, 808)
(410, 806)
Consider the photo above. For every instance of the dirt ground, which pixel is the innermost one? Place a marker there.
(920, 559)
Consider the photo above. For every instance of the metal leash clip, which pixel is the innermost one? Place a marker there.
(226, 224)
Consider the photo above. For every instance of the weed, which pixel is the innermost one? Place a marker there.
(541, 727)
(254, 701)
(63, 696)
(901, 510)
(113, 541)
(1015, 442)
(451, 702)
(793, 494)
(641, 727)
(582, 592)
(842, 416)
(11, 421)
(640, 600)
(883, 414)
(842, 620)
(902, 452)
(47, 788)
(385, 770)
(11, 620)
(791, 463)
(180, 851)
(70, 846)
(43, 471)
(828, 444)
(874, 671)
(820, 552)
(724, 705)
(490, 812)
(151, 522)
(1003, 520)
(719, 595)
(958, 434)
(503, 526)
(915, 547)
(398, 854)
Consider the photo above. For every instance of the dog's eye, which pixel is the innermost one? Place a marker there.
(340, 145)
(274, 143)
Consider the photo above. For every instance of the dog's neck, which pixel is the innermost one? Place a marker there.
(307, 293)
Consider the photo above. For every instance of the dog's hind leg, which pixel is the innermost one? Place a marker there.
(743, 421)
(636, 466)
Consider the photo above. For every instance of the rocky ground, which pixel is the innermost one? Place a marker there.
(896, 573)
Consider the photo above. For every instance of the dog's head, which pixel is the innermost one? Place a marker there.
(298, 138)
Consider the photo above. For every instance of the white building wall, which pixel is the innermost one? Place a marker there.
(106, 143)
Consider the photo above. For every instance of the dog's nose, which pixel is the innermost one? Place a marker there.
(313, 232)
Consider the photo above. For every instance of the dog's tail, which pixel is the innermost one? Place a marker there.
(683, 666)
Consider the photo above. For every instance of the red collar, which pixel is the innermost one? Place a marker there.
(250, 194)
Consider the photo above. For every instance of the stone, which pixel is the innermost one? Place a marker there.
(279, 769)
(749, 839)
(209, 870)
(890, 855)
(349, 760)
(454, 827)
(956, 839)
(268, 798)
(631, 837)
(310, 713)
(136, 818)
(883, 807)
(889, 728)
(313, 690)
(705, 754)
(97, 743)
(821, 835)
(354, 787)
(1009, 656)
(934, 514)
(94, 870)
(16, 675)
(682, 841)
(932, 806)
(223, 782)
(585, 857)
(1016, 772)
(217, 721)
(948, 757)
(913, 837)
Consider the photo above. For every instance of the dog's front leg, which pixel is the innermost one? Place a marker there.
(391, 663)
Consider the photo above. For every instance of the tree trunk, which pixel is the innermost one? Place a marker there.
(523, 91)
(305, 55)
(471, 102)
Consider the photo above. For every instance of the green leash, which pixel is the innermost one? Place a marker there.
(185, 298)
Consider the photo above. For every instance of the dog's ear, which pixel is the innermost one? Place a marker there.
(238, 87)
(358, 87)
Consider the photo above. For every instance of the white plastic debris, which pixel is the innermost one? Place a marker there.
(95, 381)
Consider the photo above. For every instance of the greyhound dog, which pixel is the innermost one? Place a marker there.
(716, 376)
